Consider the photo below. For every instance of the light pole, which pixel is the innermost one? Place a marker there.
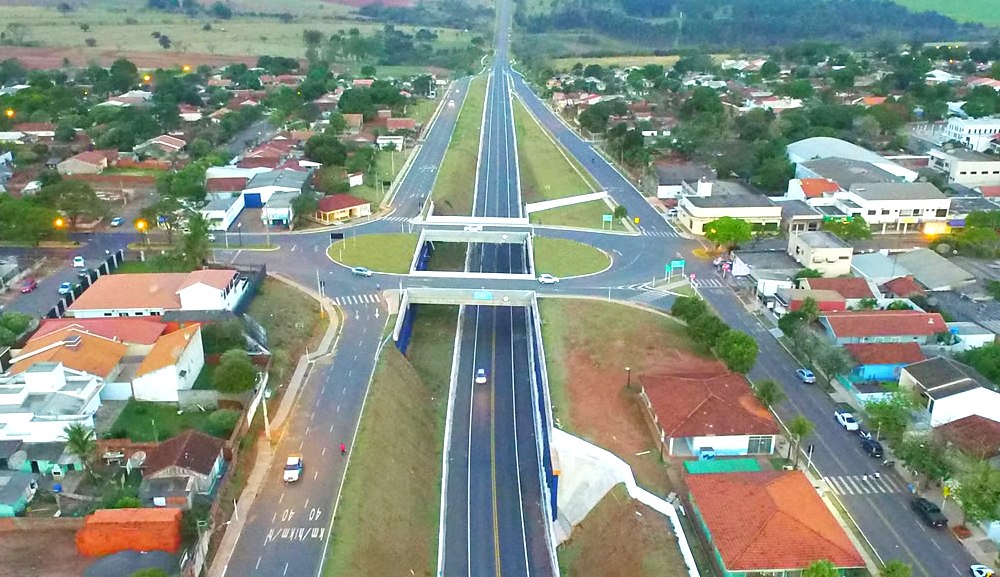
(239, 229)
(628, 377)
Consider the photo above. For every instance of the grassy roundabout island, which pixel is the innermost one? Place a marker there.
(565, 258)
(378, 252)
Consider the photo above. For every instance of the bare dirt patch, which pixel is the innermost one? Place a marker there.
(40, 553)
(51, 57)
(621, 536)
(588, 345)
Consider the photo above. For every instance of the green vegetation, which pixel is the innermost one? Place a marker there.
(455, 184)
(583, 215)
(144, 421)
(448, 256)
(981, 11)
(290, 317)
(614, 61)
(546, 172)
(378, 252)
(389, 507)
(565, 258)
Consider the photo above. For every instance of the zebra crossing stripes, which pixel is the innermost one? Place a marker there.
(708, 283)
(397, 219)
(659, 233)
(356, 300)
(647, 297)
(863, 484)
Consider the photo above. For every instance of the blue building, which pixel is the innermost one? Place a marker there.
(882, 361)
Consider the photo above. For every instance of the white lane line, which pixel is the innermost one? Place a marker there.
(306, 506)
(285, 572)
(281, 498)
(331, 428)
(257, 566)
(338, 408)
(302, 442)
(315, 475)
(274, 517)
(324, 452)
(307, 430)
(343, 392)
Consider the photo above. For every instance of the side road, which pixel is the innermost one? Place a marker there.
(265, 450)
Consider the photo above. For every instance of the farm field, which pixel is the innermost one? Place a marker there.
(981, 11)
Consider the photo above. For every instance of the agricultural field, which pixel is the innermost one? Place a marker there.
(979, 11)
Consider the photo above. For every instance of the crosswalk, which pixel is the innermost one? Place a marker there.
(703, 283)
(356, 300)
(647, 297)
(659, 233)
(863, 484)
(397, 219)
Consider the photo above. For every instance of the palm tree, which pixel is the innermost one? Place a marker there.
(799, 428)
(80, 442)
(769, 392)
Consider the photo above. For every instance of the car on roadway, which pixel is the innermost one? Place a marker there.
(846, 420)
(480, 376)
(117, 221)
(78, 262)
(982, 571)
(451, 104)
(361, 271)
(293, 468)
(547, 279)
(28, 285)
(806, 376)
(65, 288)
(929, 512)
(872, 448)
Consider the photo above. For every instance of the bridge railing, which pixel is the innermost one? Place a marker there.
(543, 426)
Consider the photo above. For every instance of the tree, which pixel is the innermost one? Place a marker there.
(235, 372)
(122, 75)
(925, 456)
(221, 11)
(773, 174)
(65, 131)
(688, 308)
(74, 199)
(891, 416)
(25, 221)
(821, 568)
(978, 492)
(222, 422)
(706, 329)
(703, 100)
(985, 359)
(769, 69)
(337, 124)
(854, 229)
(80, 443)
(895, 568)
(808, 273)
(809, 310)
(15, 33)
(620, 212)
(832, 360)
(218, 338)
(194, 247)
(798, 428)
(127, 502)
(326, 149)
(738, 350)
(768, 392)
(727, 232)
(791, 324)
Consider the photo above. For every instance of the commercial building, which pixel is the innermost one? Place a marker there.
(973, 133)
(726, 198)
(967, 167)
(821, 251)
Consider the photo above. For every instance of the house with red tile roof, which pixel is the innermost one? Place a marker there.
(695, 414)
(37, 131)
(88, 162)
(787, 300)
(851, 288)
(130, 331)
(73, 349)
(805, 188)
(335, 208)
(888, 326)
(363, 82)
(171, 365)
(397, 124)
(153, 294)
(768, 523)
(975, 435)
(226, 184)
(881, 361)
(191, 454)
(162, 145)
(903, 287)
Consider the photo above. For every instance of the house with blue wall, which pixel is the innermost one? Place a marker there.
(882, 361)
(16, 491)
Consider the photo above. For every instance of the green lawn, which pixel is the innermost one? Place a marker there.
(204, 380)
(448, 256)
(290, 317)
(150, 265)
(379, 252)
(546, 172)
(564, 258)
(387, 166)
(388, 515)
(982, 11)
(143, 421)
(583, 215)
(456, 178)
(422, 110)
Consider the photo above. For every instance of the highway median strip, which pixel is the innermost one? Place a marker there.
(456, 177)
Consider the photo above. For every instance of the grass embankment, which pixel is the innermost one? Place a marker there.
(548, 173)
(290, 317)
(387, 521)
(621, 536)
(455, 185)
(563, 258)
(387, 167)
(981, 11)
(448, 256)
(379, 252)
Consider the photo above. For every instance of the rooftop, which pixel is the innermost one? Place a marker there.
(726, 193)
(848, 287)
(822, 239)
(897, 191)
(336, 202)
(970, 155)
(770, 520)
(167, 350)
(816, 187)
(13, 486)
(903, 287)
(693, 407)
(797, 208)
(123, 329)
(775, 261)
(281, 178)
(942, 373)
(974, 435)
(75, 349)
(190, 450)
(932, 270)
(860, 324)
(674, 174)
(885, 353)
(825, 147)
(848, 172)
(147, 291)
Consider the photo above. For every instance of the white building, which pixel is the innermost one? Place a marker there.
(824, 147)
(38, 404)
(821, 251)
(973, 133)
(278, 210)
(967, 167)
(888, 206)
(938, 76)
(260, 188)
(172, 365)
(714, 200)
(222, 210)
(951, 390)
(153, 294)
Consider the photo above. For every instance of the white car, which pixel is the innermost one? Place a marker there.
(548, 279)
(847, 420)
(481, 376)
(211, 237)
(451, 104)
(982, 571)
(78, 262)
(293, 468)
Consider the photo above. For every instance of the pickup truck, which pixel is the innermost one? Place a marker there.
(845, 417)
(293, 468)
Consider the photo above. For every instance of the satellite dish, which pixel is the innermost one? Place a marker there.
(17, 460)
(137, 459)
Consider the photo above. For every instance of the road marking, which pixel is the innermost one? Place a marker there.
(344, 392)
(281, 498)
(306, 506)
(257, 566)
(274, 517)
(350, 372)
(324, 452)
(338, 408)
(315, 475)
(301, 443)
(331, 428)
(307, 430)
(285, 572)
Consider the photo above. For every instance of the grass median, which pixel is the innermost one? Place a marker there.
(387, 521)
(455, 185)
(379, 252)
(564, 258)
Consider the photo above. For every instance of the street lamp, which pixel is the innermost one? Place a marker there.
(628, 377)
(59, 222)
(141, 225)
(9, 113)
(239, 229)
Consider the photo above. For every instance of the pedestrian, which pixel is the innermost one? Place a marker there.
(343, 449)
(877, 475)
(864, 477)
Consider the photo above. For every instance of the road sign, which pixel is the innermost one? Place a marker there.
(636, 220)
(336, 236)
(725, 266)
(482, 295)
(676, 264)
(606, 217)
(692, 276)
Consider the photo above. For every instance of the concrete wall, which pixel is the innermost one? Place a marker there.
(982, 402)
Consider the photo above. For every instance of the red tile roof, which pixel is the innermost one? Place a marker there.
(718, 405)
(903, 287)
(335, 202)
(849, 288)
(885, 323)
(146, 291)
(990, 191)
(92, 354)
(227, 184)
(95, 157)
(400, 124)
(814, 187)
(167, 350)
(34, 127)
(885, 353)
(191, 450)
(216, 278)
(975, 435)
(259, 162)
(129, 330)
(769, 520)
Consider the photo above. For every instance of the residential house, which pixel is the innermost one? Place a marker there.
(790, 299)
(882, 326)
(260, 188)
(153, 294)
(881, 361)
(353, 123)
(400, 124)
(821, 251)
(966, 167)
(989, 82)
(161, 146)
(853, 289)
(671, 177)
(769, 271)
(806, 188)
(16, 491)
(903, 287)
(189, 113)
(89, 162)
(129, 331)
(128, 99)
(193, 455)
(768, 523)
(74, 349)
(968, 335)
(171, 365)
(36, 131)
(708, 415)
(972, 133)
(938, 76)
(877, 267)
(386, 141)
(37, 404)
(951, 390)
(49, 458)
(279, 211)
(891, 206)
(362, 82)
(726, 198)
(339, 207)
(974, 435)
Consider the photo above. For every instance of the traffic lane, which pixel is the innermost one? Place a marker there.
(513, 554)
(289, 525)
(483, 537)
(487, 163)
(456, 519)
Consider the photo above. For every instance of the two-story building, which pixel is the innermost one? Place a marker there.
(966, 167)
(821, 251)
(972, 133)
(37, 405)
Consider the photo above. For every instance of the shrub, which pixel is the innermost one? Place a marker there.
(222, 422)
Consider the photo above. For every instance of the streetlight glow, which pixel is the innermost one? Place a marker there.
(146, 77)
(186, 68)
(9, 113)
(59, 222)
(140, 225)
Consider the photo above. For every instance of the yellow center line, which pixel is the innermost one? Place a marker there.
(493, 446)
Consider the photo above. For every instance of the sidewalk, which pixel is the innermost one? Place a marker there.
(265, 450)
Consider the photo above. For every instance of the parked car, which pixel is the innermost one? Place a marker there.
(806, 376)
(65, 288)
(480, 376)
(28, 285)
(361, 271)
(872, 447)
(293, 468)
(548, 279)
(78, 262)
(982, 571)
(929, 512)
(117, 221)
(846, 419)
